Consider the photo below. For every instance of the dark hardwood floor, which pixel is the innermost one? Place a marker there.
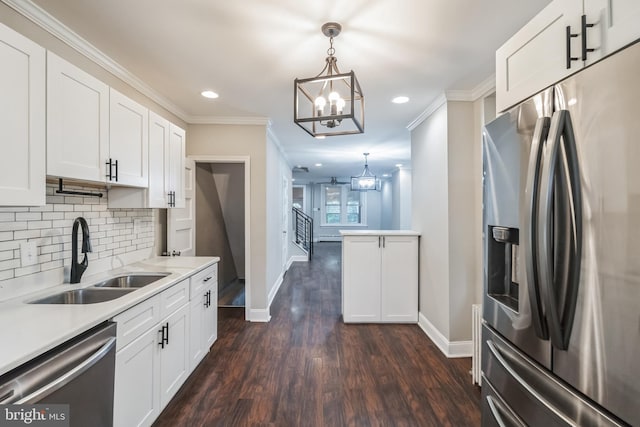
(307, 368)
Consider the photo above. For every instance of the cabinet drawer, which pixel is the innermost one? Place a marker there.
(174, 298)
(137, 320)
(204, 278)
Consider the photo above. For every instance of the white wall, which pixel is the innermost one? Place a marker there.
(229, 179)
(278, 216)
(445, 210)
(430, 216)
(401, 199)
(387, 207)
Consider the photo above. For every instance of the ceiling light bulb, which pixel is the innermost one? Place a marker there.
(340, 105)
(400, 99)
(334, 96)
(318, 165)
(320, 103)
(209, 94)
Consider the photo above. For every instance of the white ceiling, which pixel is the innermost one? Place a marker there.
(251, 51)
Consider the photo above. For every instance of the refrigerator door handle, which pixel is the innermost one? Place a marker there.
(531, 226)
(497, 354)
(502, 415)
(560, 198)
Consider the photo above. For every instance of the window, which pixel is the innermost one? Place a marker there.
(342, 207)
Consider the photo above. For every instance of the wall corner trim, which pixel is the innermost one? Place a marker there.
(451, 349)
(435, 104)
(259, 315)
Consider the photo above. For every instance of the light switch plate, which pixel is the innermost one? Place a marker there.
(28, 253)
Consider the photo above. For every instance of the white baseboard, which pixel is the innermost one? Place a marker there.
(296, 258)
(275, 288)
(451, 349)
(259, 315)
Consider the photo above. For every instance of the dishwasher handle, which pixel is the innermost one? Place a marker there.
(70, 375)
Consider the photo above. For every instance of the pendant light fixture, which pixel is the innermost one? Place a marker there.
(330, 103)
(366, 181)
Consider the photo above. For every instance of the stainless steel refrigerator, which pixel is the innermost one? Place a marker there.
(561, 226)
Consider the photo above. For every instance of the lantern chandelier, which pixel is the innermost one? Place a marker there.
(366, 181)
(330, 103)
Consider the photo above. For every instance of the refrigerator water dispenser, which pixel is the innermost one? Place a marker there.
(502, 266)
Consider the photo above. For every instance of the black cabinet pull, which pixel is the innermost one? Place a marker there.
(166, 340)
(116, 166)
(569, 36)
(207, 279)
(585, 50)
(108, 169)
(161, 331)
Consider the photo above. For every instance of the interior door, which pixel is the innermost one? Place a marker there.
(181, 222)
(285, 220)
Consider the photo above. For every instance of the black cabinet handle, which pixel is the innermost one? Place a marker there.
(162, 338)
(569, 36)
(109, 164)
(166, 340)
(116, 166)
(585, 50)
(207, 279)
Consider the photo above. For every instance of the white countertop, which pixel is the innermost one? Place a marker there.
(28, 330)
(379, 233)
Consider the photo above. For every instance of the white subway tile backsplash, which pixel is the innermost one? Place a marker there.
(111, 231)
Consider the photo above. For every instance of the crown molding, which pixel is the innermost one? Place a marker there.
(486, 87)
(47, 22)
(435, 104)
(227, 120)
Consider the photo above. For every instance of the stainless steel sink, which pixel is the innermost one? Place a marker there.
(137, 280)
(83, 296)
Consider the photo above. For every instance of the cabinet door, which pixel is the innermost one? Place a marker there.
(174, 357)
(77, 122)
(22, 120)
(128, 140)
(159, 158)
(136, 397)
(536, 56)
(210, 318)
(399, 271)
(616, 23)
(361, 278)
(176, 164)
(196, 345)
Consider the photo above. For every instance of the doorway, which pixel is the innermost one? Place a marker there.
(222, 224)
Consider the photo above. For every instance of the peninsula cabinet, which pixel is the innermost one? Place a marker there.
(380, 276)
(563, 38)
(22, 115)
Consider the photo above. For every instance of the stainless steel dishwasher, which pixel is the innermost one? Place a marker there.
(78, 373)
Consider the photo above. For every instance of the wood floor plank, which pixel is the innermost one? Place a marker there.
(307, 368)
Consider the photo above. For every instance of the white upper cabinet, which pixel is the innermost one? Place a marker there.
(166, 163)
(175, 168)
(618, 20)
(564, 37)
(77, 122)
(128, 162)
(22, 120)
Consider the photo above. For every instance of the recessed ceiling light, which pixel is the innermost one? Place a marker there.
(318, 165)
(398, 165)
(400, 99)
(209, 94)
(386, 175)
(320, 137)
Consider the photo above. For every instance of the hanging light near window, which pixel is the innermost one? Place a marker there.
(366, 181)
(330, 103)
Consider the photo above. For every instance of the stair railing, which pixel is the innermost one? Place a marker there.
(303, 227)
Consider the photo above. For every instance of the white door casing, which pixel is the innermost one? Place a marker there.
(181, 222)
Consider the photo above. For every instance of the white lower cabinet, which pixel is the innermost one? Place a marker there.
(379, 277)
(151, 367)
(159, 343)
(204, 313)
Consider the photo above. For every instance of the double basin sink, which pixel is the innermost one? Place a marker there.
(106, 290)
